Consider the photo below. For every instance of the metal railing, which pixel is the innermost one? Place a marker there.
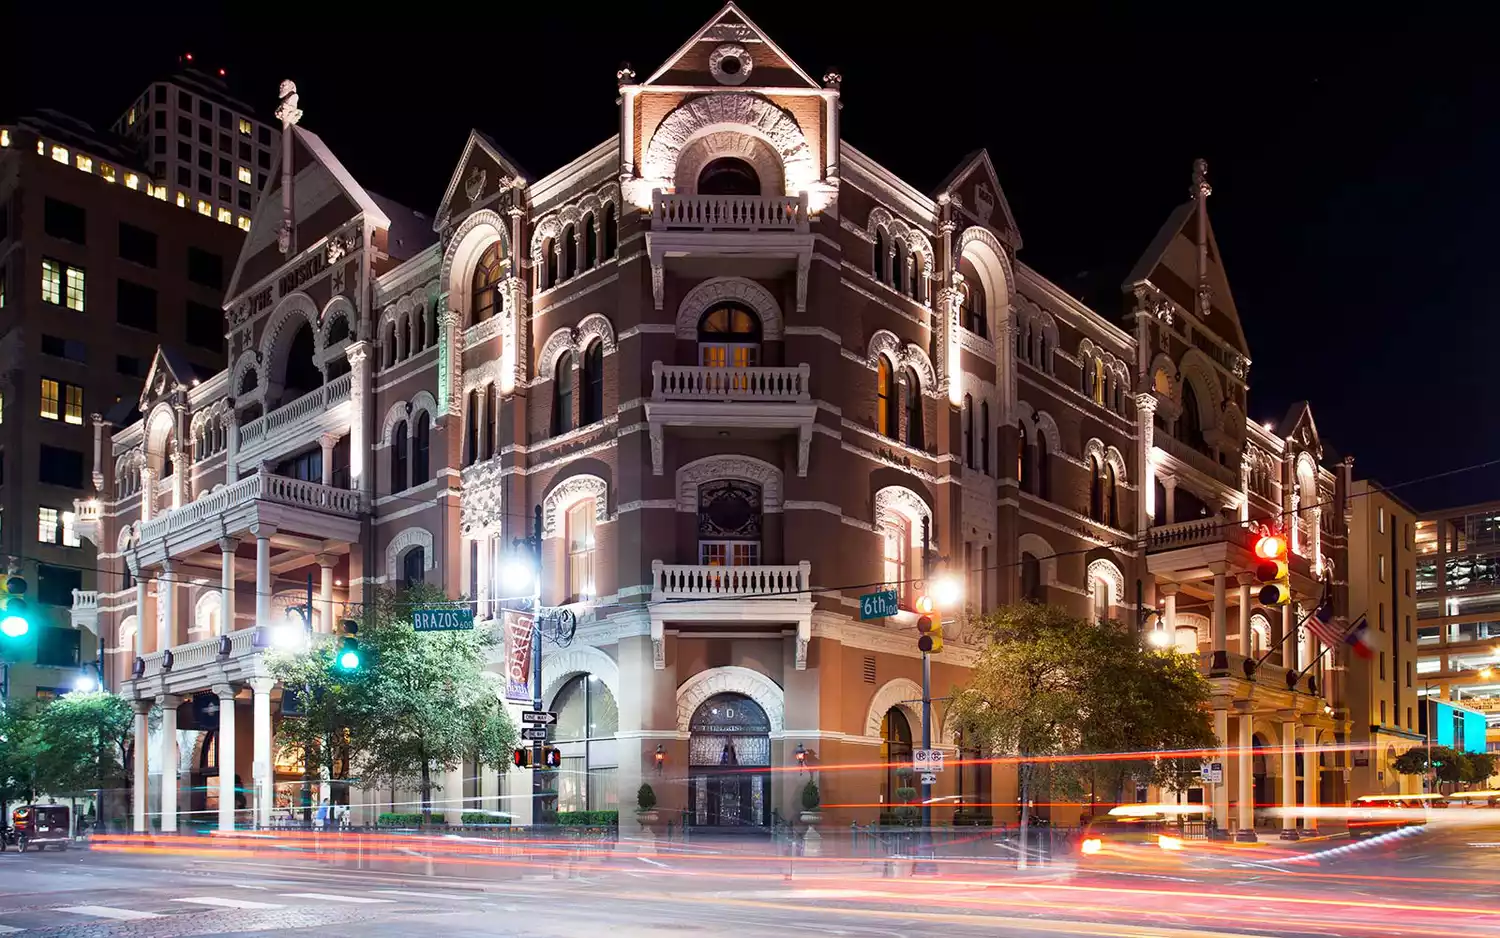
(695, 581)
(729, 212)
(705, 383)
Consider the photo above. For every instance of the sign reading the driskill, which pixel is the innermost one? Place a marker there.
(518, 636)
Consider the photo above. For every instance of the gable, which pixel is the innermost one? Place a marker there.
(980, 199)
(1170, 263)
(169, 370)
(483, 171)
(731, 50)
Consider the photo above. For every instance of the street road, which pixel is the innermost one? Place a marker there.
(194, 887)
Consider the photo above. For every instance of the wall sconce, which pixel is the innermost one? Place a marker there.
(138, 668)
(801, 756)
(661, 757)
(166, 661)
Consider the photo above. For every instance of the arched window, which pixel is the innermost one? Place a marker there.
(1086, 376)
(418, 331)
(471, 429)
(898, 266)
(974, 311)
(399, 458)
(879, 265)
(590, 243)
(570, 252)
(413, 568)
(984, 436)
(918, 278)
(729, 523)
(1023, 478)
(1096, 489)
(302, 373)
(895, 752)
(490, 413)
(484, 299)
(611, 231)
(421, 444)
(896, 535)
(591, 407)
(1190, 426)
(562, 395)
(1043, 467)
(729, 336)
(1111, 498)
(587, 720)
(429, 319)
(728, 175)
(580, 533)
(1031, 578)
(968, 431)
(887, 417)
(912, 395)
(1099, 598)
(549, 263)
(388, 345)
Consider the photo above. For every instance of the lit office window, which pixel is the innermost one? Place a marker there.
(107, 171)
(75, 289)
(4, 138)
(46, 525)
(243, 223)
(60, 154)
(132, 181)
(226, 216)
(51, 282)
(244, 127)
(204, 208)
(41, 148)
(130, 118)
(182, 200)
(73, 404)
(51, 391)
(69, 531)
(84, 163)
(159, 192)
(245, 176)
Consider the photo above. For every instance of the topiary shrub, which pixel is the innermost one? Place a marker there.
(810, 796)
(645, 798)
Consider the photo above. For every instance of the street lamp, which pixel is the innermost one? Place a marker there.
(519, 573)
(1159, 638)
(290, 635)
(947, 591)
(85, 683)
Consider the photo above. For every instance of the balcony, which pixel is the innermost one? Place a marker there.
(764, 598)
(729, 212)
(197, 666)
(1187, 549)
(84, 613)
(702, 401)
(322, 511)
(702, 581)
(772, 233)
(304, 419)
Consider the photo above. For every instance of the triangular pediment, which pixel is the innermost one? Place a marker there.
(169, 370)
(483, 170)
(980, 199)
(1170, 264)
(1299, 427)
(325, 197)
(694, 63)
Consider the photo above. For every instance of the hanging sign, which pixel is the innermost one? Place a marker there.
(518, 636)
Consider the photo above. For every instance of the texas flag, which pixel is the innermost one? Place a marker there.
(1358, 638)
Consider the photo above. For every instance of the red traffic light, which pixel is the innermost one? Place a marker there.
(1271, 547)
(520, 758)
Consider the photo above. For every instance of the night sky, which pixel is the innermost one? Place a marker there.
(1355, 199)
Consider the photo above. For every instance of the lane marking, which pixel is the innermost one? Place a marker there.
(423, 895)
(104, 911)
(329, 897)
(9, 929)
(653, 862)
(231, 903)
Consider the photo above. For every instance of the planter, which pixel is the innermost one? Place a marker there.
(648, 819)
(812, 817)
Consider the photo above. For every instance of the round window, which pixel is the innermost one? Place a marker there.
(730, 64)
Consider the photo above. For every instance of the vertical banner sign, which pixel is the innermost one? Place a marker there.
(518, 657)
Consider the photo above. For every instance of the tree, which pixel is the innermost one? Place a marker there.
(421, 702)
(18, 757)
(1453, 766)
(1050, 686)
(81, 742)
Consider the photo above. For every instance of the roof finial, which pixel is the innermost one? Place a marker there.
(289, 114)
(1200, 189)
(1200, 192)
(287, 111)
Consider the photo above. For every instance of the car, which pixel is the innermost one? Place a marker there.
(1129, 829)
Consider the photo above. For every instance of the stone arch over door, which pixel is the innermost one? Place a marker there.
(743, 468)
(409, 538)
(718, 290)
(735, 113)
(574, 660)
(901, 692)
(731, 679)
(276, 341)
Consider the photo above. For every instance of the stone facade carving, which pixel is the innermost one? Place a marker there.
(730, 64)
(717, 290)
(745, 468)
(693, 692)
(752, 112)
(565, 493)
(895, 504)
(401, 543)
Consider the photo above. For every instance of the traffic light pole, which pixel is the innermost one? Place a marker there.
(538, 779)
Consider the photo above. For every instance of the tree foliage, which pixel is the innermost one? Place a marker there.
(68, 747)
(1049, 686)
(420, 704)
(18, 762)
(1453, 766)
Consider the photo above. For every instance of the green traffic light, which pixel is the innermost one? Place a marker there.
(14, 626)
(348, 657)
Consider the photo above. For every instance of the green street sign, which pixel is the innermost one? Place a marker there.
(877, 605)
(445, 619)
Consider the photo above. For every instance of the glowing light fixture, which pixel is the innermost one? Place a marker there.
(948, 591)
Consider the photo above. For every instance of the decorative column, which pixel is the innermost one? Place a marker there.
(624, 79)
(142, 606)
(227, 556)
(261, 766)
(1145, 471)
(1168, 593)
(1247, 640)
(1221, 756)
(327, 441)
(1245, 763)
(358, 354)
(1290, 637)
(168, 756)
(1218, 628)
(263, 585)
(226, 755)
(1288, 775)
(945, 320)
(166, 594)
(231, 444)
(1169, 483)
(831, 82)
(326, 563)
(1312, 778)
(140, 774)
(148, 492)
(181, 470)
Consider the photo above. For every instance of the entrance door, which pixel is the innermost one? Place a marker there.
(730, 749)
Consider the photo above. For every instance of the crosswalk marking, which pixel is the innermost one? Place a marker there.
(230, 903)
(329, 897)
(424, 895)
(9, 929)
(104, 911)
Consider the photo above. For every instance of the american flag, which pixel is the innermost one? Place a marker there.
(1329, 630)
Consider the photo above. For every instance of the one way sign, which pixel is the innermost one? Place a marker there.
(544, 717)
(534, 733)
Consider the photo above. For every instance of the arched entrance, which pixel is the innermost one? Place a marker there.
(729, 755)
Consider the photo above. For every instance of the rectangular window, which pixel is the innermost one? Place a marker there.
(51, 399)
(60, 155)
(159, 120)
(70, 349)
(205, 268)
(206, 135)
(581, 550)
(244, 127)
(242, 223)
(205, 110)
(1382, 711)
(263, 159)
(244, 175)
(1408, 674)
(244, 198)
(1380, 612)
(184, 176)
(1380, 519)
(1382, 665)
(185, 150)
(51, 281)
(73, 294)
(57, 465)
(1382, 568)
(73, 404)
(1406, 580)
(244, 152)
(65, 221)
(205, 186)
(1408, 628)
(184, 102)
(729, 553)
(137, 245)
(130, 366)
(136, 306)
(55, 647)
(47, 525)
(107, 172)
(205, 327)
(55, 586)
(264, 136)
(205, 160)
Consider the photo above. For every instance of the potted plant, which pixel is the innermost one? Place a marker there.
(906, 812)
(645, 800)
(812, 799)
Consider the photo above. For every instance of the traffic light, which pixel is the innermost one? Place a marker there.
(551, 757)
(521, 758)
(929, 634)
(14, 621)
(348, 658)
(1272, 572)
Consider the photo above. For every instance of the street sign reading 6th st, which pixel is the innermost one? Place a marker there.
(877, 605)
